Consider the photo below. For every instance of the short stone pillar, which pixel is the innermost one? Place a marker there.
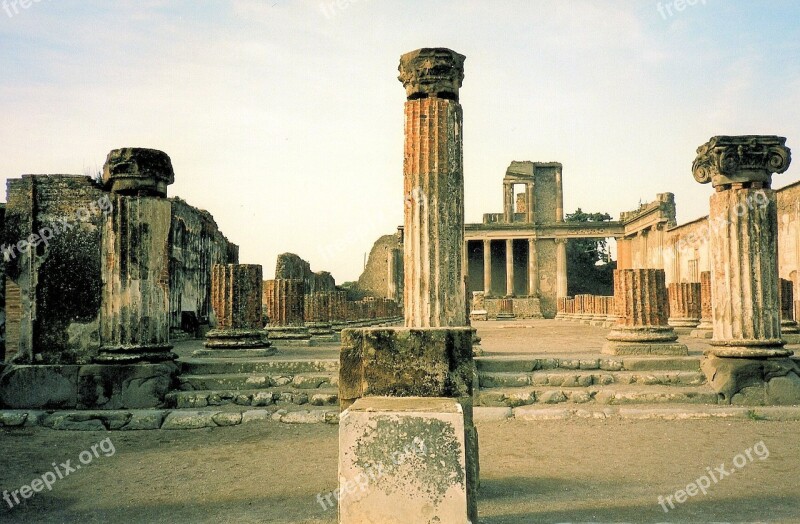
(403, 460)
(134, 314)
(747, 362)
(684, 304)
(478, 308)
(236, 301)
(404, 362)
(788, 323)
(600, 310)
(706, 327)
(284, 300)
(318, 319)
(640, 296)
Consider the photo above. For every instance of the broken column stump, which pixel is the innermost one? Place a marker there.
(640, 296)
(684, 304)
(788, 323)
(285, 302)
(747, 363)
(236, 301)
(706, 327)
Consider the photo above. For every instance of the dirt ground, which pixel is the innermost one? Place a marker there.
(556, 471)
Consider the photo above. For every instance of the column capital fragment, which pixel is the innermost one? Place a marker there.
(432, 72)
(746, 159)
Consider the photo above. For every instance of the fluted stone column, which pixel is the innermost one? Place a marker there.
(600, 311)
(561, 308)
(434, 189)
(408, 362)
(134, 314)
(748, 362)
(487, 267)
(684, 304)
(236, 301)
(788, 323)
(611, 317)
(561, 267)
(509, 267)
(640, 296)
(744, 250)
(285, 302)
(706, 327)
(533, 267)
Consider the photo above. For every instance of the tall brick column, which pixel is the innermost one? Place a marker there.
(134, 316)
(640, 296)
(434, 188)
(706, 327)
(236, 301)
(748, 362)
(684, 304)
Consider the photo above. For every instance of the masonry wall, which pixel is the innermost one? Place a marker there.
(545, 192)
(374, 280)
(52, 291)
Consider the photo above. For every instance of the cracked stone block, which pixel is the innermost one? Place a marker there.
(404, 460)
(125, 386)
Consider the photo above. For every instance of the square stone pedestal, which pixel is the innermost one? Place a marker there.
(403, 460)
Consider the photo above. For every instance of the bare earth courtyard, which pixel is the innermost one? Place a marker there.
(571, 470)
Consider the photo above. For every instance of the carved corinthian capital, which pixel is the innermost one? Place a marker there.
(432, 72)
(726, 160)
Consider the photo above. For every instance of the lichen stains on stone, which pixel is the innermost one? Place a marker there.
(415, 454)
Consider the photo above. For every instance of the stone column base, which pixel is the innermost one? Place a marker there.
(747, 381)
(598, 320)
(131, 355)
(320, 329)
(288, 333)
(237, 339)
(789, 327)
(405, 460)
(749, 349)
(651, 340)
(704, 330)
(690, 323)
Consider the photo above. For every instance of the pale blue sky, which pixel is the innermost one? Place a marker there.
(284, 118)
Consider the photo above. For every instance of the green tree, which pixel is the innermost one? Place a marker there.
(590, 269)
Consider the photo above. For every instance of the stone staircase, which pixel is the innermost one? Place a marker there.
(504, 382)
(256, 382)
(513, 382)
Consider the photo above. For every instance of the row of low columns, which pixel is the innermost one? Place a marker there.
(587, 309)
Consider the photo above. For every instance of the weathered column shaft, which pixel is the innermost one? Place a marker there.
(134, 318)
(285, 302)
(510, 267)
(533, 268)
(788, 324)
(236, 295)
(487, 267)
(744, 234)
(561, 268)
(434, 213)
(706, 301)
(640, 297)
(684, 304)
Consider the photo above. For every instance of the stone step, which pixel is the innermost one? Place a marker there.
(526, 364)
(614, 394)
(253, 397)
(213, 366)
(581, 378)
(241, 381)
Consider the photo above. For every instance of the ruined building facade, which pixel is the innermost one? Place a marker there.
(64, 234)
